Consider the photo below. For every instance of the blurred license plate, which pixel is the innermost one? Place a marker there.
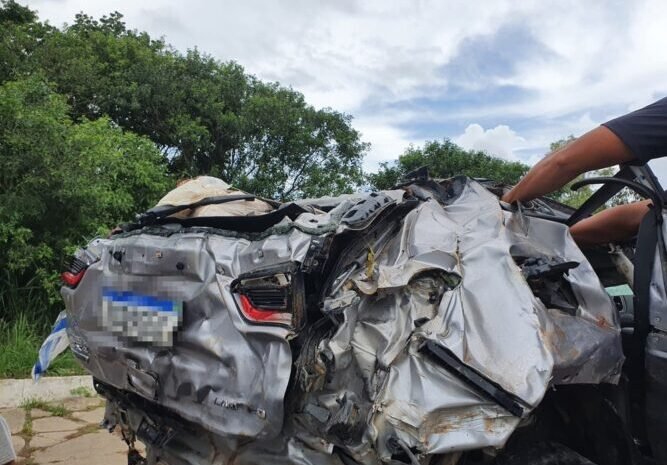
(139, 317)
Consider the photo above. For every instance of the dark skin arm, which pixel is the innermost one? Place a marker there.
(596, 149)
(610, 225)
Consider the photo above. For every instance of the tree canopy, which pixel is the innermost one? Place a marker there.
(62, 182)
(97, 121)
(205, 116)
(445, 159)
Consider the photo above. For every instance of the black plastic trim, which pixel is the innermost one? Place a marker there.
(473, 378)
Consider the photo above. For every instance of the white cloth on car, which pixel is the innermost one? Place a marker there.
(202, 187)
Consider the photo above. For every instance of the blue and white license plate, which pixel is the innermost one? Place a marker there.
(139, 317)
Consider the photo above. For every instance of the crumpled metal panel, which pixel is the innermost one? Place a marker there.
(448, 274)
(225, 374)
(491, 321)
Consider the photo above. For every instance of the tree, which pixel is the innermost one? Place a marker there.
(206, 116)
(62, 182)
(97, 120)
(20, 35)
(13, 12)
(446, 159)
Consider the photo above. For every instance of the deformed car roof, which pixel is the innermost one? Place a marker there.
(430, 321)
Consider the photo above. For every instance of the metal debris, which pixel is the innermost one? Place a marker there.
(420, 331)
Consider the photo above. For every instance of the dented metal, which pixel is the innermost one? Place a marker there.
(414, 330)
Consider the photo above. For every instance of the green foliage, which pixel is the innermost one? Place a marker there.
(65, 364)
(20, 35)
(207, 117)
(97, 121)
(446, 159)
(61, 183)
(13, 12)
(26, 431)
(18, 348)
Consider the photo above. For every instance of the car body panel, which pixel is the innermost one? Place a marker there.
(440, 264)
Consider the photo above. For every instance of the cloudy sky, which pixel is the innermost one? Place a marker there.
(507, 77)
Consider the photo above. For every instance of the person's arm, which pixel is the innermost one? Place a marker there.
(610, 225)
(596, 149)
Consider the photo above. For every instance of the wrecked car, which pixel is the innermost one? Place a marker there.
(426, 324)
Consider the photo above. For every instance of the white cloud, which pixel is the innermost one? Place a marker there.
(375, 48)
(367, 57)
(389, 141)
(615, 59)
(500, 141)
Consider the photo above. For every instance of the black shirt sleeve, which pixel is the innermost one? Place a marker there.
(644, 131)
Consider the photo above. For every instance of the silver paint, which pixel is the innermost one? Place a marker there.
(447, 276)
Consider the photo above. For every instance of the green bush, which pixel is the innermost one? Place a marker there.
(97, 121)
(61, 183)
(206, 116)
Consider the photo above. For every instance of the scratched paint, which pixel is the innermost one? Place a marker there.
(429, 264)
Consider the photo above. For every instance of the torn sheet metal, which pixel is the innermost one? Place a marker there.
(419, 331)
(229, 375)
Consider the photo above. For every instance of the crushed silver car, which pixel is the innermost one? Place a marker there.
(424, 324)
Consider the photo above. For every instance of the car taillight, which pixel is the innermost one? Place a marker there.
(263, 315)
(72, 279)
(270, 297)
(77, 268)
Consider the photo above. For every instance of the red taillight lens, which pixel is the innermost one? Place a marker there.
(271, 297)
(76, 269)
(263, 315)
(72, 279)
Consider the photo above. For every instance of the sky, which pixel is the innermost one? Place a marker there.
(506, 77)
